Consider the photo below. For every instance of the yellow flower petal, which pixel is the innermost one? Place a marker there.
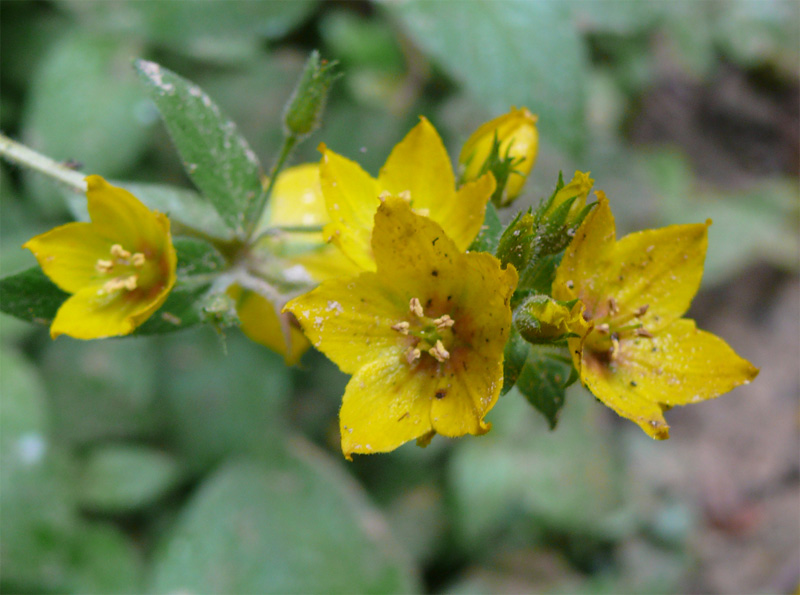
(68, 254)
(678, 366)
(659, 269)
(87, 315)
(384, 406)
(350, 320)
(260, 322)
(351, 197)
(297, 199)
(419, 165)
(122, 218)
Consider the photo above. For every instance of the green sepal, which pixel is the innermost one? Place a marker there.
(216, 157)
(489, 235)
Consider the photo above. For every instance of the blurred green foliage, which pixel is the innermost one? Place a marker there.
(199, 462)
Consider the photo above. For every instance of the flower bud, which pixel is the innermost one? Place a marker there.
(518, 139)
(304, 110)
(541, 319)
(578, 188)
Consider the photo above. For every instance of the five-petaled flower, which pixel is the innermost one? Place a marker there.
(119, 268)
(423, 336)
(640, 357)
(417, 170)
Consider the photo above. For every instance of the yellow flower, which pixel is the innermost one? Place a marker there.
(418, 170)
(516, 131)
(640, 357)
(304, 256)
(423, 336)
(119, 268)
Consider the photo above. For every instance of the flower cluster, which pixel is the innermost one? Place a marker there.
(391, 280)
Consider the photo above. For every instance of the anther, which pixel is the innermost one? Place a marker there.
(423, 212)
(614, 348)
(641, 311)
(416, 307)
(384, 195)
(103, 266)
(643, 332)
(138, 260)
(613, 308)
(119, 252)
(131, 282)
(602, 328)
(412, 354)
(444, 322)
(401, 327)
(439, 352)
(405, 195)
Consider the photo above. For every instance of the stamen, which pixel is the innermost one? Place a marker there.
(641, 311)
(384, 195)
(401, 327)
(602, 328)
(643, 332)
(416, 307)
(439, 352)
(423, 212)
(138, 260)
(119, 252)
(103, 266)
(614, 348)
(131, 282)
(405, 195)
(444, 322)
(613, 308)
(412, 354)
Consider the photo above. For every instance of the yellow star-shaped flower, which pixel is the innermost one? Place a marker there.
(639, 356)
(119, 268)
(423, 336)
(418, 170)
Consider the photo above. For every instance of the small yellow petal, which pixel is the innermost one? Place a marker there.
(68, 254)
(419, 165)
(351, 198)
(385, 405)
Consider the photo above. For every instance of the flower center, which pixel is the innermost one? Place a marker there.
(613, 327)
(431, 336)
(123, 268)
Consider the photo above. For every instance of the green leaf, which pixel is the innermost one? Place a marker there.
(543, 379)
(126, 478)
(39, 516)
(489, 235)
(103, 390)
(212, 30)
(521, 475)
(296, 524)
(217, 158)
(83, 107)
(104, 560)
(31, 296)
(508, 53)
(239, 406)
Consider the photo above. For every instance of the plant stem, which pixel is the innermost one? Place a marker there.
(288, 144)
(26, 157)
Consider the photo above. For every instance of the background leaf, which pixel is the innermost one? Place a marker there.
(217, 158)
(285, 525)
(508, 53)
